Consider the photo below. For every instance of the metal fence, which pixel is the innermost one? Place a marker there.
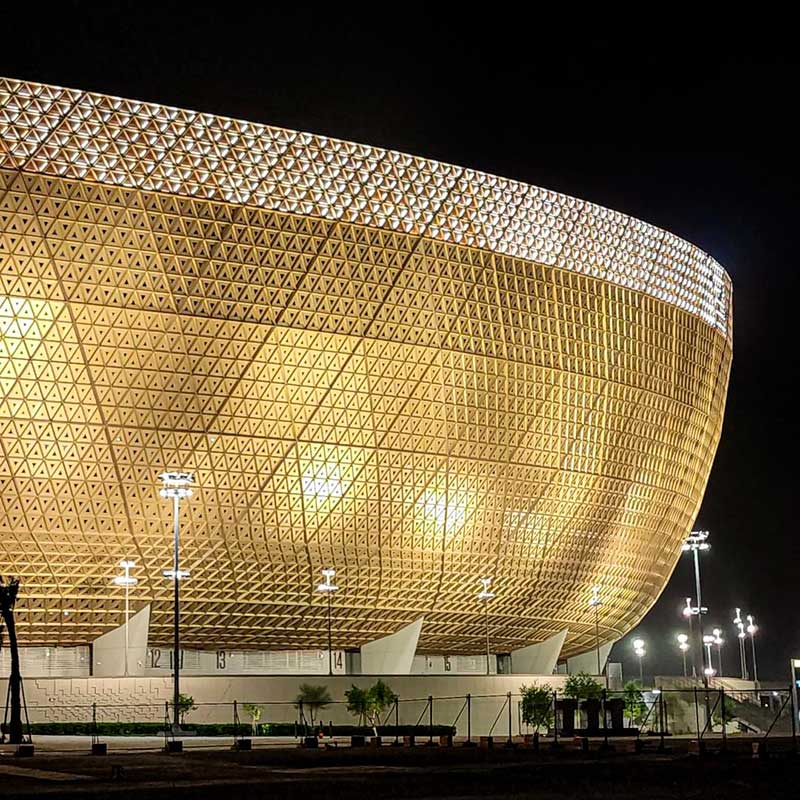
(712, 716)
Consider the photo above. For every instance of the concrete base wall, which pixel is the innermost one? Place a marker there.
(143, 699)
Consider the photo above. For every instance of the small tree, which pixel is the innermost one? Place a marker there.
(357, 703)
(254, 712)
(381, 699)
(582, 686)
(369, 704)
(185, 705)
(635, 706)
(730, 711)
(537, 706)
(312, 698)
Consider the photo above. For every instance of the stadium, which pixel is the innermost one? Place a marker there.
(411, 372)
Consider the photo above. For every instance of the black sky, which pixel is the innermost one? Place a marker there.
(691, 129)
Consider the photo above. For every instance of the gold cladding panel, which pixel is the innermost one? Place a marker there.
(414, 412)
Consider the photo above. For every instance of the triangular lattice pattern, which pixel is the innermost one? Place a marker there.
(354, 385)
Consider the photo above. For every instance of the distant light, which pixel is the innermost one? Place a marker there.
(176, 484)
(595, 602)
(328, 587)
(486, 594)
(683, 638)
(710, 671)
(638, 644)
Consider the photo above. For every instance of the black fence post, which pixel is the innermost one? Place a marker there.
(397, 720)
(469, 718)
(430, 719)
(697, 714)
(722, 717)
(510, 731)
(794, 720)
(555, 718)
(661, 718)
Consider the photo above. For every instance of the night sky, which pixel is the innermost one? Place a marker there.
(694, 131)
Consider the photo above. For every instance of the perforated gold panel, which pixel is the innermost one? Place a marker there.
(414, 373)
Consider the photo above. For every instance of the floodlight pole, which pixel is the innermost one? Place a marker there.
(328, 588)
(751, 629)
(486, 595)
(695, 542)
(737, 620)
(595, 603)
(127, 581)
(177, 485)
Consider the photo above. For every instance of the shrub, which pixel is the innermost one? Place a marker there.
(312, 698)
(537, 706)
(582, 686)
(635, 706)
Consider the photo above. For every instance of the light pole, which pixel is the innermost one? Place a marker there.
(595, 603)
(126, 580)
(696, 542)
(688, 612)
(718, 641)
(328, 588)
(638, 648)
(741, 635)
(485, 595)
(751, 629)
(709, 671)
(177, 486)
(683, 645)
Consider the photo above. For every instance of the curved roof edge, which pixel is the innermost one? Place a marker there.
(81, 135)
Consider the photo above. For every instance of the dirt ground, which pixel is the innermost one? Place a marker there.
(421, 772)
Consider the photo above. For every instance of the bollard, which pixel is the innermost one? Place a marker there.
(408, 741)
(25, 750)
(99, 748)
(117, 772)
(445, 740)
(697, 747)
(759, 749)
(358, 741)
(243, 744)
(311, 742)
(174, 746)
(487, 742)
(375, 741)
(581, 743)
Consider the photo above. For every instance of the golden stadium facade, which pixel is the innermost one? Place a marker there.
(410, 371)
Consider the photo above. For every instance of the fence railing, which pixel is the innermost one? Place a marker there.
(705, 714)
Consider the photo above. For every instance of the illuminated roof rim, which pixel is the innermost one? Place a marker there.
(542, 226)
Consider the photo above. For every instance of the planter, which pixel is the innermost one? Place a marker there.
(375, 741)
(243, 744)
(446, 740)
(174, 746)
(409, 741)
(358, 741)
(99, 748)
(487, 742)
(311, 742)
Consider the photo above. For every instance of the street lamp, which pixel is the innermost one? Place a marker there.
(328, 588)
(638, 648)
(695, 543)
(741, 635)
(683, 645)
(595, 603)
(708, 640)
(751, 629)
(718, 641)
(177, 486)
(688, 612)
(485, 595)
(126, 580)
